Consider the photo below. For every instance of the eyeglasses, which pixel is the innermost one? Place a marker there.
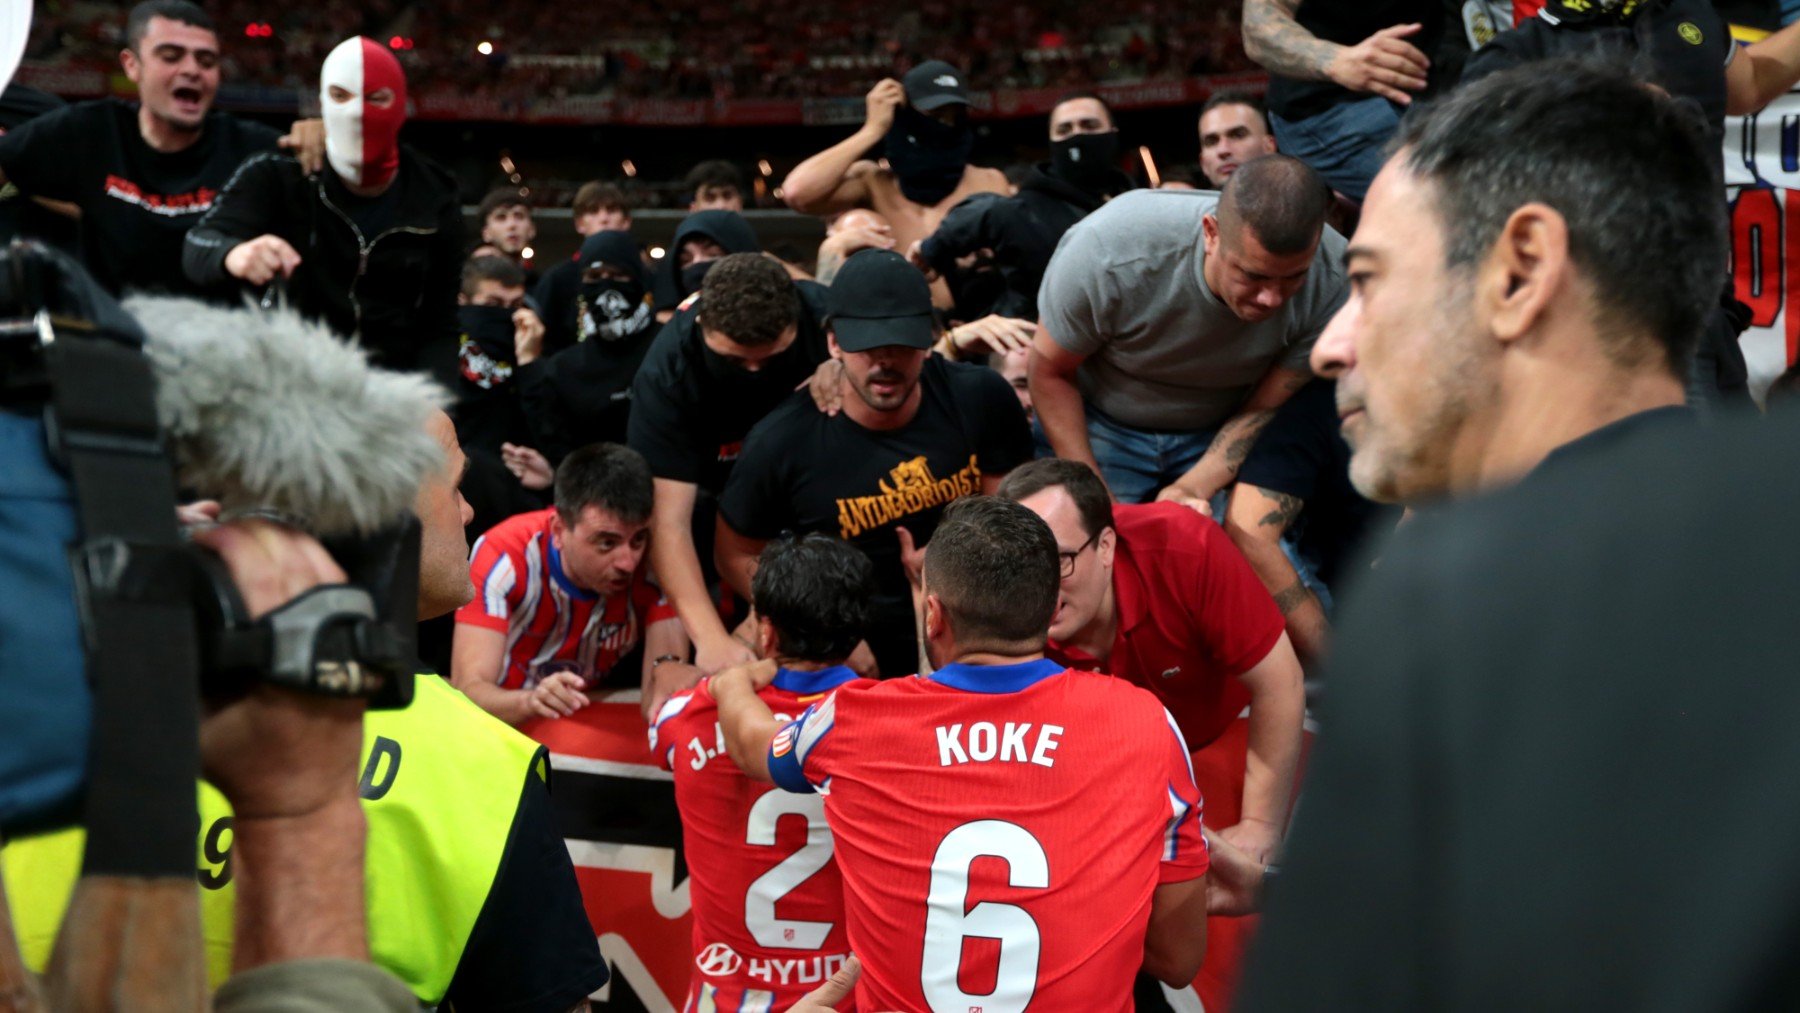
(1068, 558)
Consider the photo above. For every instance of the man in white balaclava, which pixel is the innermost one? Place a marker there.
(362, 91)
(372, 245)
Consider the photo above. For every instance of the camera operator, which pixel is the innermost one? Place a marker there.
(288, 762)
(460, 832)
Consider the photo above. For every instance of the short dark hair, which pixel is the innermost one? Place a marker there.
(500, 197)
(596, 195)
(1081, 93)
(499, 269)
(1630, 169)
(993, 564)
(713, 172)
(612, 477)
(1280, 199)
(817, 592)
(1075, 478)
(138, 21)
(749, 298)
(1237, 97)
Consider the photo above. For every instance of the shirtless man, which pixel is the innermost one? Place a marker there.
(924, 171)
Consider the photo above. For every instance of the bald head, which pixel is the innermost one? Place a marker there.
(1281, 200)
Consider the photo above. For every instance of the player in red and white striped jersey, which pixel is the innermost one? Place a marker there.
(1012, 834)
(768, 900)
(560, 594)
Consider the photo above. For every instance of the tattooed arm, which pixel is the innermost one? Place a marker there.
(1383, 64)
(1218, 467)
(1256, 520)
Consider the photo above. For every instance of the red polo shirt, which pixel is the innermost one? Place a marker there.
(1192, 617)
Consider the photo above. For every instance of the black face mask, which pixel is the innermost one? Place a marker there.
(485, 354)
(771, 380)
(693, 274)
(490, 328)
(928, 157)
(610, 310)
(1089, 161)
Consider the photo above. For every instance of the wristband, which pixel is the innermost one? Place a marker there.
(665, 657)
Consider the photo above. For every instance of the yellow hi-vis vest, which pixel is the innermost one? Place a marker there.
(441, 783)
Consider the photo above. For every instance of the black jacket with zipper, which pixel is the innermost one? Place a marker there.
(395, 292)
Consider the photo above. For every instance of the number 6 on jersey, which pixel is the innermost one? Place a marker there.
(949, 920)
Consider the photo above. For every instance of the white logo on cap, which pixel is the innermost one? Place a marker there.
(944, 79)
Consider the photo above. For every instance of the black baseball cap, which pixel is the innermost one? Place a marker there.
(934, 84)
(877, 300)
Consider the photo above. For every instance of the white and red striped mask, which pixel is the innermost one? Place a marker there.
(362, 124)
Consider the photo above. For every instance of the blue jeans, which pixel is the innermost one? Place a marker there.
(1346, 143)
(1137, 464)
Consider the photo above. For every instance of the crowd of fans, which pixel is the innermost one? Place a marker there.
(701, 49)
(999, 433)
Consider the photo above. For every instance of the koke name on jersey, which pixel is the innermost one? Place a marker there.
(983, 741)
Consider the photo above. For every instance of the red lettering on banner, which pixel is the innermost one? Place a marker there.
(1757, 254)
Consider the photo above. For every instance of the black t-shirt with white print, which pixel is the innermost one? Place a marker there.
(136, 203)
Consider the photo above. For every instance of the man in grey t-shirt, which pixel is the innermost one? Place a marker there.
(1173, 324)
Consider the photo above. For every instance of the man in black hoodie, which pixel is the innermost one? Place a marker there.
(373, 247)
(582, 394)
(701, 238)
(1023, 229)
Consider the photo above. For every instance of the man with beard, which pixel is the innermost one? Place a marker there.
(923, 125)
(916, 432)
(726, 360)
(141, 175)
(373, 247)
(1156, 595)
(1594, 642)
(582, 395)
(1022, 230)
(1174, 324)
(700, 240)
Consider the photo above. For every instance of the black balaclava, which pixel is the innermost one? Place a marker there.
(727, 228)
(928, 157)
(1087, 161)
(485, 355)
(611, 309)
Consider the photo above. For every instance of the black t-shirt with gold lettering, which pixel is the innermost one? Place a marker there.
(804, 471)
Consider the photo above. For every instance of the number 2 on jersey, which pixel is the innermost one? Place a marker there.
(949, 919)
(759, 902)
